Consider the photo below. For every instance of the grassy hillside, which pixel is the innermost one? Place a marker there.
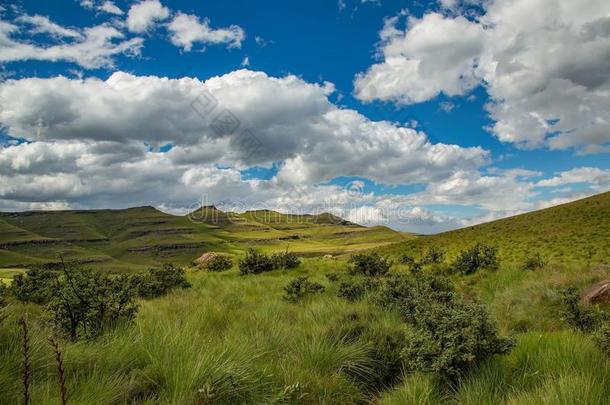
(139, 237)
(577, 232)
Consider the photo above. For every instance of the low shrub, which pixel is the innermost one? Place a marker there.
(219, 263)
(255, 263)
(575, 314)
(480, 256)
(285, 260)
(36, 285)
(300, 287)
(534, 262)
(407, 259)
(433, 255)
(351, 291)
(448, 335)
(354, 290)
(159, 281)
(369, 264)
(332, 277)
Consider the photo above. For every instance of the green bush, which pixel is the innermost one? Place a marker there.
(576, 315)
(407, 259)
(534, 262)
(433, 255)
(300, 287)
(480, 256)
(255, 263)
(36, 285)
(219, 263)
(159, 281)
(369, 264)
(85, 303)
(332, 277)
(448, 335)
(285, 260)
(351, 291)
(450, 338)
(354, 290)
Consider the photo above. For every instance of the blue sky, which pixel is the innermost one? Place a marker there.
(437, 68)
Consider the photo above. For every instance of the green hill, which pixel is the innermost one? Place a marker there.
(575, 232)
(143, 236)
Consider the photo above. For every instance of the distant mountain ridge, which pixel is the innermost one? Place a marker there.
(144, 236)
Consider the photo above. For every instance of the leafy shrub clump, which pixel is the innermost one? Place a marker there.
(36, 286)
(407, 259)
(433, 255)
(369, 264)
(285, 260)
(85, 303)
(219, 263)
(534, 262)
(480, 256)
(255, 263)
(354, 290)
(448, 335)
(159, 281)
(332, 277)
(300, 287)
(351, 291)
(576, 315)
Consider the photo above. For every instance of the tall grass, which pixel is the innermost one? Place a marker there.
(233, 339)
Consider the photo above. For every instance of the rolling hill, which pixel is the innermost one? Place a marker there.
(143, 236)
(574, 232)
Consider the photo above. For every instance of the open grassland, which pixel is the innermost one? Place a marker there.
(234, 339)
(577, 232)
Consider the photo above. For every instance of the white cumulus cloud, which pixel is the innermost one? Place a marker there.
(543, 63)
(143, 15)
(187, 30)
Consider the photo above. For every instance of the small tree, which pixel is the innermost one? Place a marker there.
(369, 264)
(85, 303)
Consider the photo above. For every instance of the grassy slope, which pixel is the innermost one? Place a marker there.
(141, 237)
(570, 233)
